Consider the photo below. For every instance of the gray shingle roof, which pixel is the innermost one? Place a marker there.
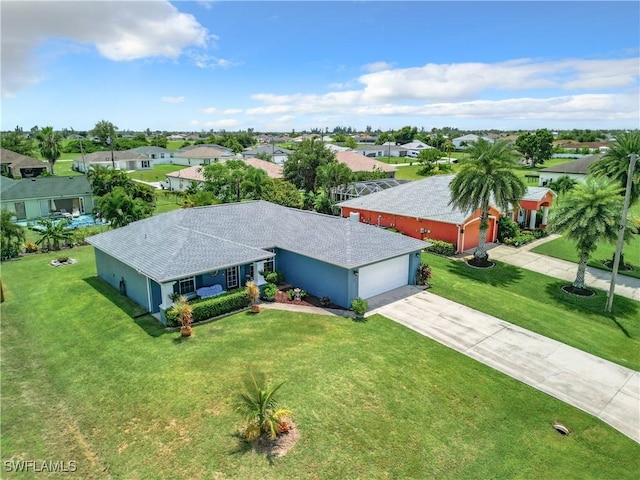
(192, 241)
(580, 166)
(47, 187)
(428, 198)
(149, 150)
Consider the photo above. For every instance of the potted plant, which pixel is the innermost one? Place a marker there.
(359, 307)
(253, 293)
(183, 311)
(269, 292)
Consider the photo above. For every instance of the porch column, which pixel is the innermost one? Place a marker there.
(166, 289)
(532, 219)
(257, 268)
(545, 215)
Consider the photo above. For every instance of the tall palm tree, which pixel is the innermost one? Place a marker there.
(588, 214)
(486, 177)
(12, 235)
(615, 163)
(49, 145)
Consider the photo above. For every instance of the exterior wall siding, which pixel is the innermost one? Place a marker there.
(318, 278)
(112, 271)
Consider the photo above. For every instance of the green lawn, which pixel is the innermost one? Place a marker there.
(535, 302)
(83, 379)
(157, 173)
(166, 202)
(566, 250)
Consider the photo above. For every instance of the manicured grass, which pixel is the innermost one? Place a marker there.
(157, 173)
(166, 202)
(536, 302)
(566, 250)
(85, 380)
(62, 168)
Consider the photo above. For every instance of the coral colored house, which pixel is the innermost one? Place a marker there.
(421, 210)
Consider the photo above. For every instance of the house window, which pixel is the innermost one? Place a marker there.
(145, 164)
(187, 286)
(269, 265)
(250, 271)
(232, 278)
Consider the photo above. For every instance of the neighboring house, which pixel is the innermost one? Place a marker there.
(159, 155)
(422, 209)
(536, 198)
(188, 148)
(381, 150)
(278, 154)
(593, 147)
(201, 155)
(16, 165)
(465, 140)
(359, 163)
(122, 159)
(577, 170)
(229, 244)
(181, 180)
(337, 148)
(414, 148)
(33, 198)
(176, 137)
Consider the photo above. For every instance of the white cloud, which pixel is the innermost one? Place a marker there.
(120, 31)
(203, 60)
(209, 110)
(232, 111)
(377, 66)
(564, 89)
(173, 99)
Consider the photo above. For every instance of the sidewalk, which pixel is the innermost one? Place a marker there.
(554, 267)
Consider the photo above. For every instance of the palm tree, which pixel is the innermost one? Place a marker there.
(258, 406)
(49, 145)
(120, 209)
(615, 166)
(563, 184)
(587, 215)
(12, 236)
(486, 177)
(54, 232)
(615, 163)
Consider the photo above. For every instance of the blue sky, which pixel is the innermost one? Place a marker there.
(278, 66)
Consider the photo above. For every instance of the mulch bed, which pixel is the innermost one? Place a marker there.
(308, 300)
(580, 292)
(279, 446)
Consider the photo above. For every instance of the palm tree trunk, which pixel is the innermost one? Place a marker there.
(582, 268)
(481, 250)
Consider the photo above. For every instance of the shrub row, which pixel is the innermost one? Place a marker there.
(440, 247)
(212, 307)
(525, 236)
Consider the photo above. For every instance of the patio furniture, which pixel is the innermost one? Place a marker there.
(212, 291)
(75, 213)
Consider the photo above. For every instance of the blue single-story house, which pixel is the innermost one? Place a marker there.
(185, 250)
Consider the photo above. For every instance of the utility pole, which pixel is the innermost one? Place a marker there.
(623, 223)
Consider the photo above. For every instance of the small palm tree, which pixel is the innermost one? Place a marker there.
(587, 215)
(563, 184)
(49, 145)
(54, 232)
(12, 235)
(486, 177)
(258, 406)
(184, 312)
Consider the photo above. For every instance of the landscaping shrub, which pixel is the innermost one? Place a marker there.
(30, 247)
(269, 291)
(440, 247)
(212, 307)
(507, 228)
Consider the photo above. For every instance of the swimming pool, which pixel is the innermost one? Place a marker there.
(83, 220)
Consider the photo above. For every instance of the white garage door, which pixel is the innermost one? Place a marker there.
(383, 276)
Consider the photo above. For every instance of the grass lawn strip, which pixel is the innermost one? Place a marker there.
(535, 302)
(82, 380)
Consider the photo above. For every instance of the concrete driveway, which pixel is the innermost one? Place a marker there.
(599, 387)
